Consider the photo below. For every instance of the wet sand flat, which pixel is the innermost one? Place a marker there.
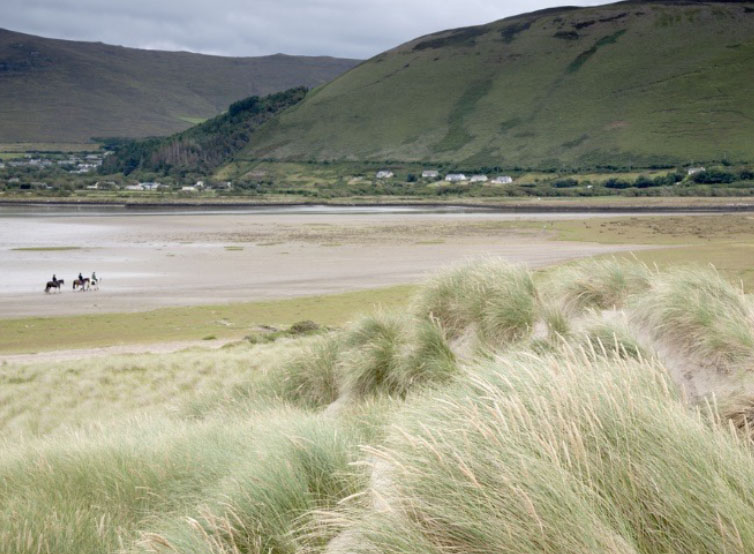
(151, 261)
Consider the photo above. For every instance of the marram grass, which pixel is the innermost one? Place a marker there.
(565, 453)
(603, 284)
(703, 316)
(565, 434)
(495, 298)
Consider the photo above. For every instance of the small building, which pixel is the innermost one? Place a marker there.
(430, 174)
(150, 185)
(694, 170)
(503, 180)
(478, 179)
(384, 174)
(137, 186)
(199, 184)
(189, 188)
(103, 185)
(455, 177)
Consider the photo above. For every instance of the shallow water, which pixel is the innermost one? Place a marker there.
(66, 210)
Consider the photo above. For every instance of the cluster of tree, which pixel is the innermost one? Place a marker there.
(644, 182)
(205, 146)
(716, 176)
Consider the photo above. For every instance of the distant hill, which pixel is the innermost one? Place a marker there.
(65, 91)
(632, 83)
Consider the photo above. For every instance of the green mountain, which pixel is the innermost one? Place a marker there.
(632, 83)
(66, 91)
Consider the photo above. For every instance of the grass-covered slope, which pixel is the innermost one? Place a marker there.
(470, 422)
(66, 91)
(633, 83)
(205, 146)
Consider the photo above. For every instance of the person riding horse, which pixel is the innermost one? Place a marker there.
(82, 282)
(54, 284)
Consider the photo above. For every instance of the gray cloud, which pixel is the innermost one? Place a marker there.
(344, 28)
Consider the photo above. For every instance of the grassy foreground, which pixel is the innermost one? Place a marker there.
(605, 406)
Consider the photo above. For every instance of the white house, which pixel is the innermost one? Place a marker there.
(199, 184)
(503, 180)
(430, 174)
(189, 188)
(103, 185)
(455, 177)
(694, 170)
(149, 185)
(384, 174)
(478, 179)
(137, 186)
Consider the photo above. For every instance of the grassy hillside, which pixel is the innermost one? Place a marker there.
(628, 84)
(202, 147)
(603, 407)
(66, 91)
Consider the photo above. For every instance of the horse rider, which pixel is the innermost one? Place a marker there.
(54, 280)
(94, 277)
(81, 278)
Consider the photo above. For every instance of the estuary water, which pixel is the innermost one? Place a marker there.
(168, 256)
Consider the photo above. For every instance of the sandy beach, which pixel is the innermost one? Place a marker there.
(150, 261)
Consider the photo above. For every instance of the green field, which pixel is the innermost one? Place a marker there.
(626, 85)
(23, 147)
(188, 323)
(723, 241)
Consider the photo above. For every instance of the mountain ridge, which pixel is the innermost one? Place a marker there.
(57, 90)
(631, 83)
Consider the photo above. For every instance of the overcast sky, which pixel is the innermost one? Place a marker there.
(343, 28)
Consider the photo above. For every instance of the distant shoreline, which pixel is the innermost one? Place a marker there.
(517, 205)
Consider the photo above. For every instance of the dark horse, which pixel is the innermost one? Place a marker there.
(83, 283)
(54, 285)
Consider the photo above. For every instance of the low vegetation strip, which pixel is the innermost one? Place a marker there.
(196, 322)
(603, 407)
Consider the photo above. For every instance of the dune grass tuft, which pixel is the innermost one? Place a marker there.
(309, 377)
(426, 359)
(561, 454)
(372, 355)
(394, 354)
(299, 464)
(610, 338)
(602, 284)
(494, 297)
(701, 314)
